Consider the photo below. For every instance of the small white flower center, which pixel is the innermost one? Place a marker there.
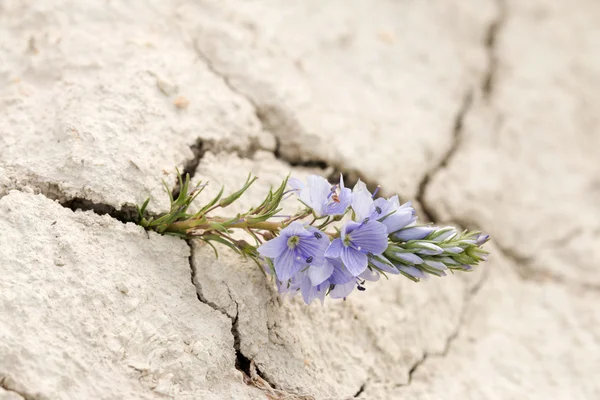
(293, 242)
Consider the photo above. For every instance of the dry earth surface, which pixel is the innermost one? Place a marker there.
(484, 113)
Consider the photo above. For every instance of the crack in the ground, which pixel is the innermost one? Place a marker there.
(252, 374)
(8, 384)
(532, 274)
(457, 132)
(242, 363)
(487, 87)
(524, 265)
(360, 390)
(199, 148)
(275, 119)
(469, 294)
(491, 41)
(127, 213)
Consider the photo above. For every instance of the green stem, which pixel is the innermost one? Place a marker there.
(183, 226)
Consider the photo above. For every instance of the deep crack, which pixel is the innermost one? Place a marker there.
(127, 213)
(457, 134)
(252, 374)
(199, 148)
(242, 363)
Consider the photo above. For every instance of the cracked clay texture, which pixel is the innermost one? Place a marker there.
(483, 113)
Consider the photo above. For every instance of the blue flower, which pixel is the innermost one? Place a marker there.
(310, 291)
(323, 198)
(310, 284)
(357, 241)
(296, 248)
(344, 282)
(318, 273)
(388, 211)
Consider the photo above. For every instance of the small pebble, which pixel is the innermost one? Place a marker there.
(122, 288)
(181, 102)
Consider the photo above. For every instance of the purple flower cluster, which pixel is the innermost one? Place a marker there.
(311, 260)
(353, 237)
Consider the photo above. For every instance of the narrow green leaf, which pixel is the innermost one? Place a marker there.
(236, 195)
(212, 202)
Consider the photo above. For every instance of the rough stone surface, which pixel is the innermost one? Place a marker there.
(9, 395)
(357, 92)
(520, 339)
(91, 101)
(527, 168)
(484, 112)
(92, 308)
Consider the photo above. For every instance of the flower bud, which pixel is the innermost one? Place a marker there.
(412, 233)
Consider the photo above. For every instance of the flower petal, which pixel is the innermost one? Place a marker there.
(361, 201)
(313, 248)
(296, 228)
(311, 292)
(339, 207)
(340, 274)
(274, 247)
(335, 249)
(342, 291)
(316, 193)
(319, 274)
(371, 237)
(399, 219)
(369, 275)
(296, 184)
(354, 260)
(322, 291)
(286, 265)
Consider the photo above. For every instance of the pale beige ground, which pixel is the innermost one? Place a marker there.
(484, 113)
